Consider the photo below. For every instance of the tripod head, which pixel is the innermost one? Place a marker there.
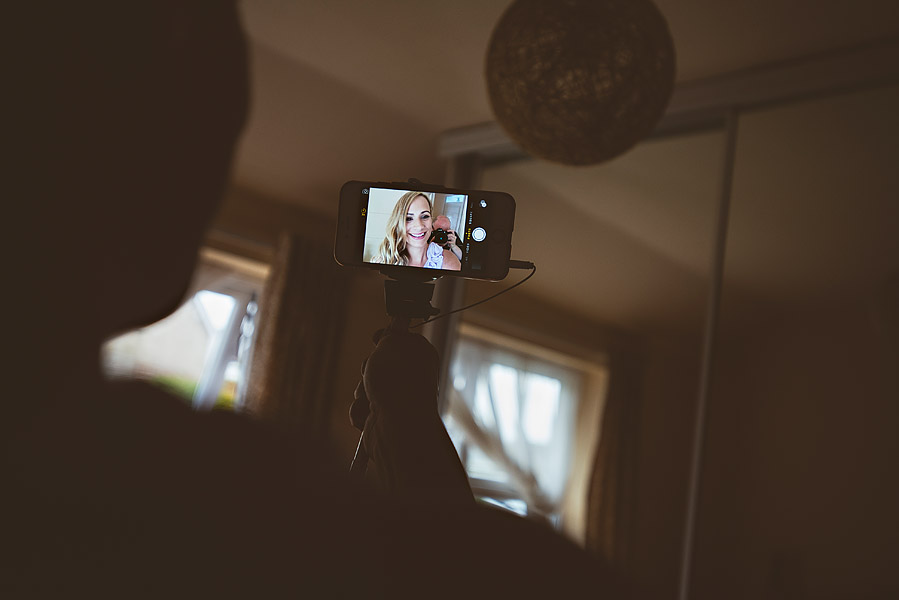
(408, 295)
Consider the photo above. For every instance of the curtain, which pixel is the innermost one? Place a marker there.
(520, 413)
(612, 495)
(300, 324)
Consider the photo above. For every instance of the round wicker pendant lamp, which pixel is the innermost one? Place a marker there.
(579, 81)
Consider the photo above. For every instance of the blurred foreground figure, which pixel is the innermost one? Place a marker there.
(126, 116)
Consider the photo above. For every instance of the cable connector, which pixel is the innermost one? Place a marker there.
(513, 264)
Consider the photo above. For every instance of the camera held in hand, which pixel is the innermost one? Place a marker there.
(439, 237)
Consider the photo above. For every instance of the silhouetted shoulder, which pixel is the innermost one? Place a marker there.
(135, 486)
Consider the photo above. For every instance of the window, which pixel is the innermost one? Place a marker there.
(512, 416)
(201, 351)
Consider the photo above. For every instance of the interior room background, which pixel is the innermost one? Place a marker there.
(798, 489)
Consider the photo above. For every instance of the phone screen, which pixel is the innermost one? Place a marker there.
(420, 229)
(388, 226)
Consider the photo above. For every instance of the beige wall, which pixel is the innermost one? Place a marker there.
(800, 486)
(801, 462)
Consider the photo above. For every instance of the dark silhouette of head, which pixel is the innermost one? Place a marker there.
(129, 112)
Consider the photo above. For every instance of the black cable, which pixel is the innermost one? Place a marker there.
(513, 264)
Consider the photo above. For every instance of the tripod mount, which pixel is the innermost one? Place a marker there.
(408, 295)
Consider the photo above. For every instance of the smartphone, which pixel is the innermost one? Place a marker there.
(403, 228)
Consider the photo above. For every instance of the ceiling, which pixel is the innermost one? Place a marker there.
(354, 89)
(362, 90)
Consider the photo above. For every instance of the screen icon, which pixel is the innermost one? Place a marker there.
(478, 234)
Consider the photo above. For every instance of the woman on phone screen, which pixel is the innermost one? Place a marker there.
(408, 231)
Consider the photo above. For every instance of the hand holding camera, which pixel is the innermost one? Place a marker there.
(444, 236)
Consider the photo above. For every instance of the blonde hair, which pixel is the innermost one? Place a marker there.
(392, 250)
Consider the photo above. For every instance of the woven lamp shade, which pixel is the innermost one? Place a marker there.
(580, 81)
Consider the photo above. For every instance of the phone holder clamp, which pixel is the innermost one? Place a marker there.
(408, 295)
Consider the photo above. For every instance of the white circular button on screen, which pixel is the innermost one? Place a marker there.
(478, 234)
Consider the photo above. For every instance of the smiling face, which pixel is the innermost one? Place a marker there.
(418, 222)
